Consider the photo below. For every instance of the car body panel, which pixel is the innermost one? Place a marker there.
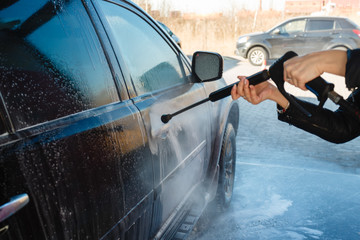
(171, 166)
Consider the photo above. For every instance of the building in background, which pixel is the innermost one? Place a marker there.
(303, 6)
(325, 6)
(347, 5)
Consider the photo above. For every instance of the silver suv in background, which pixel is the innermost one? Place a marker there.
(301, 35)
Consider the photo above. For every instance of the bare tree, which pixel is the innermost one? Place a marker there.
(144, 4)
(234, 9)
(165, 7)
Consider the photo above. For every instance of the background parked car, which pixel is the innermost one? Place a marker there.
(83, 86)
(176, 38)
(301, 35)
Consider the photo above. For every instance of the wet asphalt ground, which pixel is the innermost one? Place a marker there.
(289, 184)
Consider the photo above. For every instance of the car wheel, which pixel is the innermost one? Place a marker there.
(257, 56)
(227, 169)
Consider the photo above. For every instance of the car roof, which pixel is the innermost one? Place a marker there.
(309, 17)
(317, 17)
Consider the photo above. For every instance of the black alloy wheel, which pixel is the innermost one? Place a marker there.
(227, 169)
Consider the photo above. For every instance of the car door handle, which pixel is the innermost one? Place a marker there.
(15, 204)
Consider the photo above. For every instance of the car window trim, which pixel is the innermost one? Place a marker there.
(5, 117)
(94, 17)
(61, 122)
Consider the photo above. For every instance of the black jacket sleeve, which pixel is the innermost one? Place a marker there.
(336, 127)
(352, 74)
(339, 126)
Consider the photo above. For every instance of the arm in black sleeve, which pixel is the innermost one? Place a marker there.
(336, 127)
(352, 74)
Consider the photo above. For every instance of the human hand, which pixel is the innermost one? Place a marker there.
(258, 93)
(253, 94)
(300, 70)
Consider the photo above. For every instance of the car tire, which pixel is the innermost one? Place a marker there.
(227, 169)
(257, 56)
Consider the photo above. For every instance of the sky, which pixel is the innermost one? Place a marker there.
(210, 6)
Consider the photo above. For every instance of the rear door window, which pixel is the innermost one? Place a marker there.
(51, 62)
(320, 25)
(347, 24)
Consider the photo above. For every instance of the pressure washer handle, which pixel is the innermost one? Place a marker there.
(254, 79)
(320, 88)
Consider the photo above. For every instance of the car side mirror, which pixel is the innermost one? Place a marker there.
(207, 66)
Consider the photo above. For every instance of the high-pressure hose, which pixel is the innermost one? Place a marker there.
(322, 89)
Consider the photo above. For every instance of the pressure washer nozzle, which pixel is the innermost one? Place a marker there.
(166, 118)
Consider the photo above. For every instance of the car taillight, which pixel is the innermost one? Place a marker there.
(357, 32)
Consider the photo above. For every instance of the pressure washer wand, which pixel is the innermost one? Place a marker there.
(324, 90)
(167, 117)
(220, 94)
(275, 72)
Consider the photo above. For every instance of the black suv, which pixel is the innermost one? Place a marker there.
(301, 35)
(83, 151)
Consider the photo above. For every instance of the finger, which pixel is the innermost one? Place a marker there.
(253, 95)
(247, 90)
(240, 88)
(303, 87)
(285, 74)
(234, 93)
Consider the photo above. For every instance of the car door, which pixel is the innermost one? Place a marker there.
(160, 82)
(319, 34)
(68, 140)
(288, 37)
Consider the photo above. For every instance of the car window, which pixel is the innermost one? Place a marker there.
(51, 62)
(318, 25)
(293, 27)
(152, 63)
(337, 25)
(347, 24)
